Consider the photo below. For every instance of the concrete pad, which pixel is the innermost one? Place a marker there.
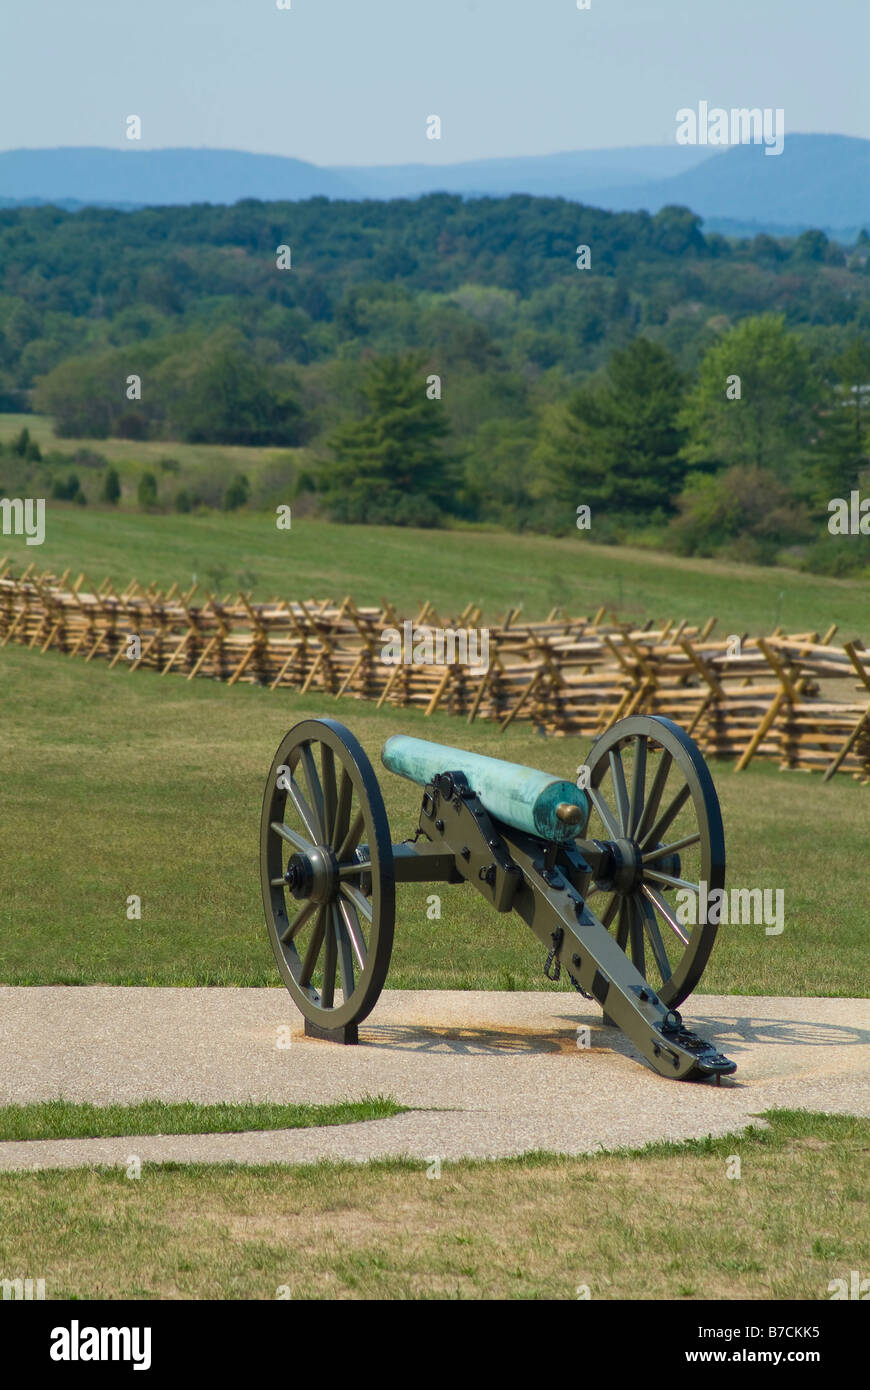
(489, 1074)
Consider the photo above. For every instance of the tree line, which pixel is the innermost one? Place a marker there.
(557, 386)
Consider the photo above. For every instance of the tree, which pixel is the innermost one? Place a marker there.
(69, 490)
(111, 487)
(617, 444)
(147, 491)
(236, 494)
(226, 397)
(770, 424)
(744, 512)
(498, 484)
(77, 395)
(26, 447)
(843, 437)
(389, 466)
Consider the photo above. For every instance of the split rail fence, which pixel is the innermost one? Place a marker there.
(799, 699)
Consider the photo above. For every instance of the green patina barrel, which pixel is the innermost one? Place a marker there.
(522, 797)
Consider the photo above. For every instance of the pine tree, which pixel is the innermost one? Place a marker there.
(111, 487)
(147, 491)
(844, 442)
(617, 446)
(389, 467)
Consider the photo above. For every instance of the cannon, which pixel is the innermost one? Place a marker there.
(593, 866)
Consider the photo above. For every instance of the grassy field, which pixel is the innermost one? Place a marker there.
(117, 784)
(662, 1223)
(63, 1119)
(133, 457)
(449, 568)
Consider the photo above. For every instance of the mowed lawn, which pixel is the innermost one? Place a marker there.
(673, 1221)
(117, 784)
(497, 570)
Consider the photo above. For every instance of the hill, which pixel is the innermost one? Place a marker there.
(135, 177)
(449, 568)
(818, 181)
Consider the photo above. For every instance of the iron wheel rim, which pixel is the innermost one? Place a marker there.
(337, 806)
(643, 920)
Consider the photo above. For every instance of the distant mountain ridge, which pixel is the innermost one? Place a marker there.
(818, 180)
(545, 175)
(161, 177)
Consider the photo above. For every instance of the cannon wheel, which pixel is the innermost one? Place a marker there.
(650, 787)
(326, 868)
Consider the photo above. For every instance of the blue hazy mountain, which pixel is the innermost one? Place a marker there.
(569, 175)
(145, 177)
(817, 181)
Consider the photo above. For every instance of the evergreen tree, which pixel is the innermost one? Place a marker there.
(617, 444)
(389, 466)
(111, 487)
(844, 442)
(236, 494)
(147, 491)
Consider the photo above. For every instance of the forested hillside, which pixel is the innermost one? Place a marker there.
(444, 358)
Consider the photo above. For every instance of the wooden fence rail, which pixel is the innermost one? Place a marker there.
(797, 698)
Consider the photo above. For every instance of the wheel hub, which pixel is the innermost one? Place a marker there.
(313, 876)
(622, 868)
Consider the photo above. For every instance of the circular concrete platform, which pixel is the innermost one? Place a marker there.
(486, 1074)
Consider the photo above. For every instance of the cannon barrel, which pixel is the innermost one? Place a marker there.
(522, 797)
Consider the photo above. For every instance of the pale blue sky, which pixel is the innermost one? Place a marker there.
(352, 81)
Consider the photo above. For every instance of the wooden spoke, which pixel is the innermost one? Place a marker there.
(635, 922)
(306, 815)
(345, 952)
(622, 923)
(671, 881)
(638, 784)
(330, 961)
(620, 791)
(356, 866)
(673, 848)
(352, 927)
(327, 768)
(660, 955)
(313, 949)
(604, 812)
(298, 922)
(351, 839)
(610, 910)
(653, 836)
(288, 833)
(658, 901)
(359, 900)
(315, 790)
(342, 813)
(651, 809)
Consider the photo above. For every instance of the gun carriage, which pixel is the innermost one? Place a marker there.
(593, 871)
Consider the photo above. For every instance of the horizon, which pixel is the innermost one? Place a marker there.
(704, 151)
(335, 86)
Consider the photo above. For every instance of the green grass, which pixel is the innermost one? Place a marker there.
(449, 568)
(116, 784)
(133, 457)
(665, 1222)
(62, 1119)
